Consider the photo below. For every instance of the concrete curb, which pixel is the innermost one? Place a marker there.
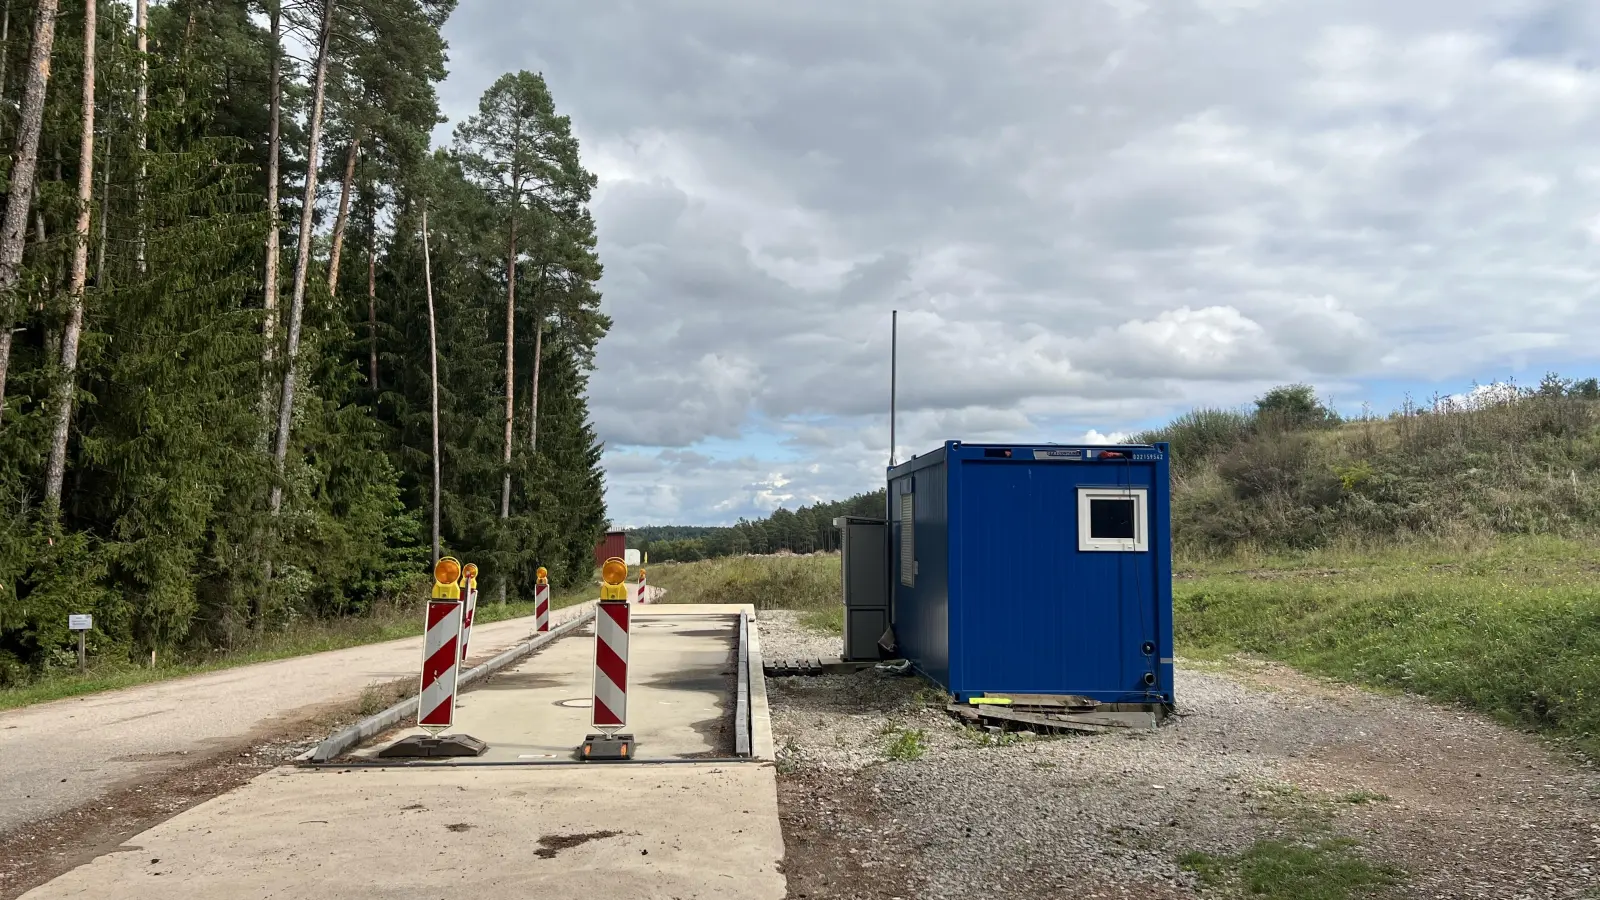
(761, 742)
(741, 714)
(341, 741)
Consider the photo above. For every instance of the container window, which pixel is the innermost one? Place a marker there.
(908, 555)
(1113, 519)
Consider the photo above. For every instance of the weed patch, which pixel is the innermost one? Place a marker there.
(1326, 869)
(907, 745)
(375, 698)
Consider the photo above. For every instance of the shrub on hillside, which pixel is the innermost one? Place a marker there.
(1291, 407)
(1199, 435)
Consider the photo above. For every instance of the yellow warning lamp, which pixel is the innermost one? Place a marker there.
(446, 579)
(469, 574)
(543, 575)
(613, 573)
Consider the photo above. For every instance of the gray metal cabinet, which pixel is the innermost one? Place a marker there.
(864, 548)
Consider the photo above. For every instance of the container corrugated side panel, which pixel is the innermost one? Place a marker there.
(922, 610)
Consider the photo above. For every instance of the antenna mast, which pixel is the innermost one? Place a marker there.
(894, 340)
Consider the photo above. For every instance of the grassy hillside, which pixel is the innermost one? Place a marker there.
(1291, 476)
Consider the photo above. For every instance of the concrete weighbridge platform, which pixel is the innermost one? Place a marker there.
(521, 821)
(682, 674)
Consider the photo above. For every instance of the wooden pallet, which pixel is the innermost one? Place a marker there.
(1042, 703)
(813, 666)
(1008, 719)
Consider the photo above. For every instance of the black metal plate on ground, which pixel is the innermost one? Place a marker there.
(419, 745)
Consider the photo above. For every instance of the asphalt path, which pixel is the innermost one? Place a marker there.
(56, 756)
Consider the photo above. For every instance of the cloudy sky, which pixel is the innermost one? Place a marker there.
(1091, 215)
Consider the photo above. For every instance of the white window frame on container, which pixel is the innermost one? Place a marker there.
(1141, 520)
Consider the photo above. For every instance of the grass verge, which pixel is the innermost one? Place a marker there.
(1511, 628)
(809, 584)
(304, 638)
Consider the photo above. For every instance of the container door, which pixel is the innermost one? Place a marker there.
(1058, 583)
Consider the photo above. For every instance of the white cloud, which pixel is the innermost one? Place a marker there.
(1116, 437)
(1090, 215)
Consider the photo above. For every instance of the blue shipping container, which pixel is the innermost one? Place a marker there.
(1037, 569)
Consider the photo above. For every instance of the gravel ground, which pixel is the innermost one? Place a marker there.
(1256, 752)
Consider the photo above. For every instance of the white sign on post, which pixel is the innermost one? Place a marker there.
(80, 623)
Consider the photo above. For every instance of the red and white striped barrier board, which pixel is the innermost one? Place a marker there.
(436, 707)
(610, 708)
(644, 595)
(541, 608)
(470, 608)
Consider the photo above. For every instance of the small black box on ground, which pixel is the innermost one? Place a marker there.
(603, 747)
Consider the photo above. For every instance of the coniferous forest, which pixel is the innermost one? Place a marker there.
(228, 250)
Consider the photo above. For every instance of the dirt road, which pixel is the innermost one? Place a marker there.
(61, 755)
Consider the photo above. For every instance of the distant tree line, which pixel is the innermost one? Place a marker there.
(806, 529)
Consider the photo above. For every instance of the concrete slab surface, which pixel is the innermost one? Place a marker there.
(681, 666)
(641, 831)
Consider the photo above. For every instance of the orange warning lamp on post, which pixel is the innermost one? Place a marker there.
(613, 574)
(447, 579)
(542, 576)
(469, 575)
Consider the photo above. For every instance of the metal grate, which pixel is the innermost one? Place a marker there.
(908, 556)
